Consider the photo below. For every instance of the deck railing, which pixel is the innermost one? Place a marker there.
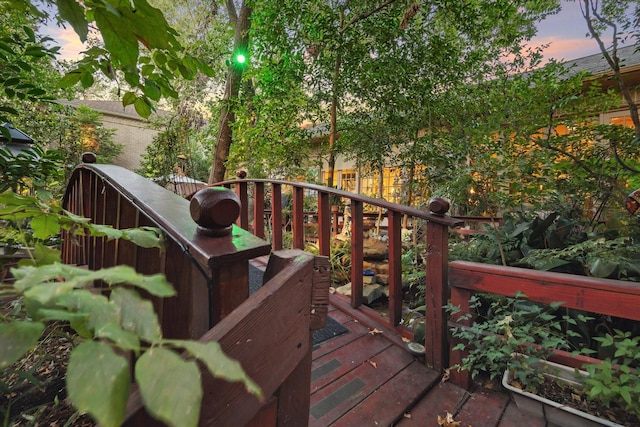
(266, 200)
(206, 259)
(602, 296)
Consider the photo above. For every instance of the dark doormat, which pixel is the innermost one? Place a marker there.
(333, 328)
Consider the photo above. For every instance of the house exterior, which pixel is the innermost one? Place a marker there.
(132, 131)
(389, 181)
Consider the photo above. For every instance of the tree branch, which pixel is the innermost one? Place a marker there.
(365, 15)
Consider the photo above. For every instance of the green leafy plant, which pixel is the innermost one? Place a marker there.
(616, 381)
(509, 333)
(615, 258)
(107, 323)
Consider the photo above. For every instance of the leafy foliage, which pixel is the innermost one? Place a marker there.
(616, 380)
(107, 322)
(614, 259)
(504, 327)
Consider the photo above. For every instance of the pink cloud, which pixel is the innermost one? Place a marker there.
(564, 49)
(68, 40)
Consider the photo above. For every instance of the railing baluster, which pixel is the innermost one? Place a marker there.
(395, 267)
(356, 252)
(298, 218)
(276, 216)
(258, 209)
(241, 191)
(324, 224)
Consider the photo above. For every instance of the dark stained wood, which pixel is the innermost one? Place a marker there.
(437, 224)
(443, 398)
(276, 217)
(412, 396)
(298, 218)
(293, 397)
(604, 296)
(241, 191)
(437, 296)
(389, 403)
(128, 218)
(327, 368)
(357, 250)
(370, 319)
(395, 267)
(258, 210)
(335, 400)
(278, 309)
(324, 224)
(268, 415)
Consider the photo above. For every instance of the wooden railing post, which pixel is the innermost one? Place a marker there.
(395, 267)
(324, 224)
(276, 217)
(298, 218)
(357, 250)
(258, 209)
(241, 191)
(437, 289)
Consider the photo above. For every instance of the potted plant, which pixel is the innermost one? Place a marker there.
(604, 393)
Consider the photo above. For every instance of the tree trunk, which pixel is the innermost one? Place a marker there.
(333, 131)
(232, 88)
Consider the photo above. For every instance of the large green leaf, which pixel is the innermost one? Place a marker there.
(219, 364)
(98, 382)
(601, 267)
(146, 237)
(118, 37)
(137, 314)
(73, 13)
(97, 308)
(17, 337)
(121, 338)
(170, 387)
(45, 226)
(156, 284)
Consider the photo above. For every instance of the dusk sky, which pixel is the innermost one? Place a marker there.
(564, 31)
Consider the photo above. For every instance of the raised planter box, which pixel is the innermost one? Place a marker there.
(555, 413)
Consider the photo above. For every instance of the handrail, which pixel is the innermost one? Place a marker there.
(209, 274)
(247, 336)
(436, 237)
(602, 296)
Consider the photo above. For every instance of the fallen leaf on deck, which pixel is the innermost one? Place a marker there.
(446, 376)
(447, 421)
(372, 363)
(407, 340)
(375, 331)
(407, 415)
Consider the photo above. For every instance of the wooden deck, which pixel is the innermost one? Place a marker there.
(366, 378)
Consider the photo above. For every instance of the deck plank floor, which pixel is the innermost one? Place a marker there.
(363, 378)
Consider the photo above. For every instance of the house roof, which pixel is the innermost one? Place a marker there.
(113, 108)
(596, 64)
(20, 141)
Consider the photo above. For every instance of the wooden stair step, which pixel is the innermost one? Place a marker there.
(333, 365)
(393, 399)
(442, 398)
(333, 401)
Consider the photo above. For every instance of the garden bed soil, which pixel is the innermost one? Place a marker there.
(33, 389)
(578, 399)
